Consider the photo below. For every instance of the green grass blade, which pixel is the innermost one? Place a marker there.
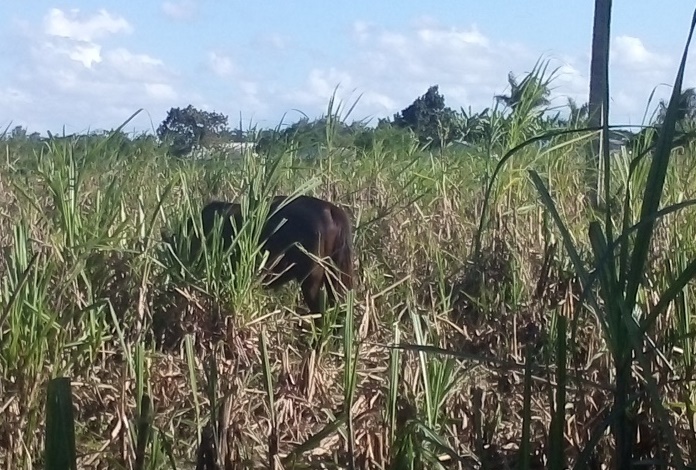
(565, 234)
(270, 395)
(674, 289)
(143, 432)
(525, 444)
(7, 308)
(501, 163)
(60, 427)
(350, 354)
(556, 433)
(656, 179)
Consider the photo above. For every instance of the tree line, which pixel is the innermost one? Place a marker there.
(428, 122)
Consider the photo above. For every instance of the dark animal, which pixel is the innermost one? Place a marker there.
(318, 226)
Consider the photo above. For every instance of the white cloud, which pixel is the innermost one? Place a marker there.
(362, 30)
(453, 37)
(71, 77)
(86, 53)
(161, 92)
(570, 82)
(74, 33)
(630, 52)
(320, 85)
(180, 9)
(635, 71)
(393, 67)
(70, 73)
(136, 67)
(220, 64)
(73, 25)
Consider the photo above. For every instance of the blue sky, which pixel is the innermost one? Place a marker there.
(90, 64)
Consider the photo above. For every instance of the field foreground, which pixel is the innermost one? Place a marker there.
(90, 293)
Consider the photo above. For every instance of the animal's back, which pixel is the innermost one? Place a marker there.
(310, 218)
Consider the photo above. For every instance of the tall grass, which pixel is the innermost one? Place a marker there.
(620, 280)
(465, 343)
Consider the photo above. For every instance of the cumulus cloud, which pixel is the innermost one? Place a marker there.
(80, 27)
(129, 66)
(161, 91)
(220, 64)
(630, 52)
(392, 67)
(86, 53)
(635, 72)
(73, 33)
(70, 75)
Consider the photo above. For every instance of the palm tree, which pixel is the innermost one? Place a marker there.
(578, 114)
(530, 88)
(687, 107)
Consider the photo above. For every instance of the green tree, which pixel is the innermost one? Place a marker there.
(531, 92)
(430, 119)
(577, 115)
(527, 101)
(19, 134)
(310, 136)
(475, 127)
(385, 136)
(687, 108)
(686, 123)
(189, 128)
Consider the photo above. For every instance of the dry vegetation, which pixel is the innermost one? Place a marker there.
(103, 305)
(490, 341)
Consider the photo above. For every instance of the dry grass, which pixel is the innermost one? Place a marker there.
(414, 262)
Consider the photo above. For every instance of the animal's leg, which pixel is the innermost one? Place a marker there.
(311, 289)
